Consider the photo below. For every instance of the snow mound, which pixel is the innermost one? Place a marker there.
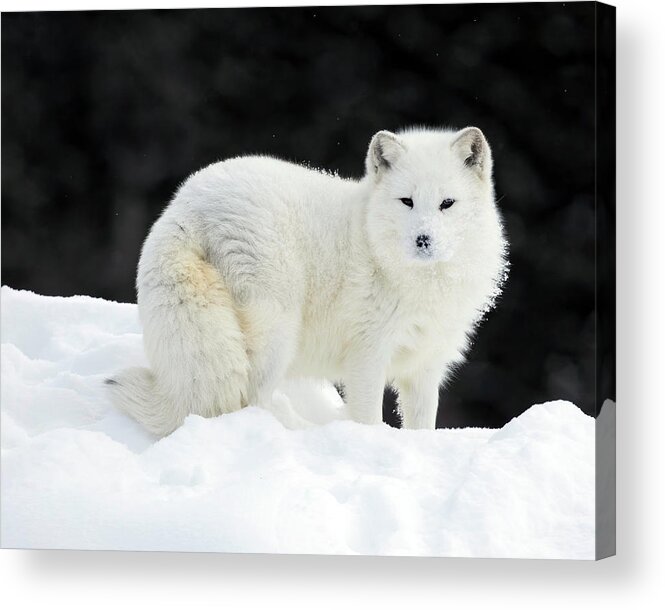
(293, 478)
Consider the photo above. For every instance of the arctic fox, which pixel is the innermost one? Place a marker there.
(260, 269)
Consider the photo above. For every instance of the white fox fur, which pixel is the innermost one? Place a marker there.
(261, 269)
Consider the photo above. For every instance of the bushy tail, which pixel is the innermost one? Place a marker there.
(134, 391)
(192, 337)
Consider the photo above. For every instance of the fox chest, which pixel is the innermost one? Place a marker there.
(414, 341)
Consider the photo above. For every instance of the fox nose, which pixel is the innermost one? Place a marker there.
(423, 242)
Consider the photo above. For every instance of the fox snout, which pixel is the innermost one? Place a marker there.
(423, 242)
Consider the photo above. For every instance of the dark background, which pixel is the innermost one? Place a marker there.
(105, 113)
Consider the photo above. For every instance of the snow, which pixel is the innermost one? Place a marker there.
(78, 474)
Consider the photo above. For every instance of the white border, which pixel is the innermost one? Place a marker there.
(634, 579)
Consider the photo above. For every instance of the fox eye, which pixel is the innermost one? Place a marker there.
(446, 203)
(407, 202)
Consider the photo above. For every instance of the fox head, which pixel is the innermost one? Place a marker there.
(432, 197)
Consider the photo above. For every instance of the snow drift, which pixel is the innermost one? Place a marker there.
(294, 477)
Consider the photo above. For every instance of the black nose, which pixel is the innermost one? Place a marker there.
(423, 242)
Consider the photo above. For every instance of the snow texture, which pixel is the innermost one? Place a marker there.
(78, 474)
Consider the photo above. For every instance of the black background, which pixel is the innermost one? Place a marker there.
(105, 113)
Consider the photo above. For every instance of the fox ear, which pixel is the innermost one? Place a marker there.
(384, 149)
(473, 149)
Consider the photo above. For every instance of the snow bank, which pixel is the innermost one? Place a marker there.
(77, 474)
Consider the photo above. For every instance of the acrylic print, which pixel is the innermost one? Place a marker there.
(310, 280)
